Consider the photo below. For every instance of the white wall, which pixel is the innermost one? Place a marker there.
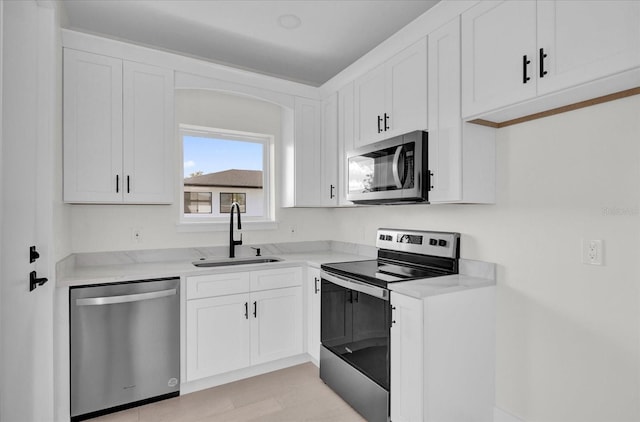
(109, 227)
(568, 333)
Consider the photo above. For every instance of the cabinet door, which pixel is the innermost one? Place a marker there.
(329, 177)
(496, 37)
(92, 128)
(407, 90)
(148, 134)
(370, 106)
(346, 132)
(276, 324)
(445, 137)
(218, 335)
(313, 313)
(586, 40)
(407, 359)
(307, 166)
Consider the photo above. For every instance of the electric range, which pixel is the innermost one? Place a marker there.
(355, 312)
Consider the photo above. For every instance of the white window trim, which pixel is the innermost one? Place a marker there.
(198, 223)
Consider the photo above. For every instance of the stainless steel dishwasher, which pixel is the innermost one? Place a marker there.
(125, 345)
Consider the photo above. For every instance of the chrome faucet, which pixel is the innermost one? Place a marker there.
(232, 242)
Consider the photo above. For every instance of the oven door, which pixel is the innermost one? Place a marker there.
(355, 325)
(389, 171)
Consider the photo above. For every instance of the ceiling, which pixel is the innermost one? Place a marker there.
(307, 41)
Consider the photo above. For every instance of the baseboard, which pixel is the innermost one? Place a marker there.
(500, 415)
(252, 371)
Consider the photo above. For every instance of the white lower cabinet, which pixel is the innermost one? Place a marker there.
(313, 313)
(406, 359)
(443, 357)
(276, 324)
(218, 335)
(233, 330)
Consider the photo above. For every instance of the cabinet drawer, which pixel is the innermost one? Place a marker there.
(217, 285)
(276, 278)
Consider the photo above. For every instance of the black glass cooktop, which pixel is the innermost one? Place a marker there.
(380, 273)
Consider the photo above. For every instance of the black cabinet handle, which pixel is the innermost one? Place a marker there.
(255, 309)
(386, 122)
(315, 280)
(128, 185)
(33, 254)
(542, 57)
(331, 194)
(34, 281)
(117, 183)
(246, 310)
(379, 121)
(525, 62)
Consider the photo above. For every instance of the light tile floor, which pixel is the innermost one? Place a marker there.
(291, 394)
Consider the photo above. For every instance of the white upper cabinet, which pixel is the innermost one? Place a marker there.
(445, 132)
(329, 170)
(346, 131)
(92, 128)
(305, 184)
(518, 50)
(586, 40)
(370, 106)
(311, 178)
(118, 130)
(461, 155)
(392, 98)
(148, 133)
(498, 54)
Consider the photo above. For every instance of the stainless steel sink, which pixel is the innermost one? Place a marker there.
(223, 262)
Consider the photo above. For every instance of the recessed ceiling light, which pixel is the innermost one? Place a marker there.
(289, 21)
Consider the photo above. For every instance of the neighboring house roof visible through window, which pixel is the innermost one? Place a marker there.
(228, 178)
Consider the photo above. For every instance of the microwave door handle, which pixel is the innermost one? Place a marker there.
(396, 165)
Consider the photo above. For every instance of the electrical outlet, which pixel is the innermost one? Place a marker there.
(136, 235)
(292, 230)
(592, 251)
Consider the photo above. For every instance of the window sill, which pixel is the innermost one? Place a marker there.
(222, 226)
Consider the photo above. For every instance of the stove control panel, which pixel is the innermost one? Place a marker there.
(443, 244)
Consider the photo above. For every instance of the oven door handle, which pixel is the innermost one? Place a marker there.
(358, 286)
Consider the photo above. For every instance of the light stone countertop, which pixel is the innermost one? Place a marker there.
(113, 267)
(472, 275)
(424, 288)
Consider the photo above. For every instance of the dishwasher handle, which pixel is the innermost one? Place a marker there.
(110, 300)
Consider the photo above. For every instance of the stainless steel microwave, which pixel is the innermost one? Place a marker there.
(390, 171)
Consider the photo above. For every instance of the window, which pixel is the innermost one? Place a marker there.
(226, 199)
(197, 203)
(221, 167)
